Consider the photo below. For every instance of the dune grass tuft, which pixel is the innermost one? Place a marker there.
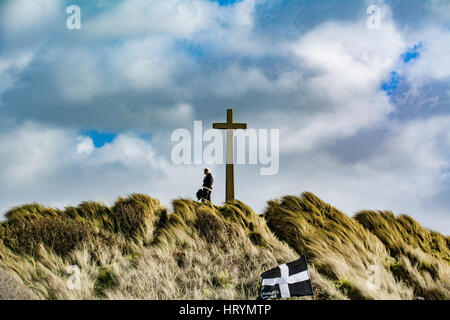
(137, 249)
(397, 251)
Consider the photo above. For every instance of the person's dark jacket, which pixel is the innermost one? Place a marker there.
(208, 181)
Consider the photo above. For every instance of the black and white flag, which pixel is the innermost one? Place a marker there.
(287, 280)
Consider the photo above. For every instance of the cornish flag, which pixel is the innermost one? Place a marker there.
(287, 280)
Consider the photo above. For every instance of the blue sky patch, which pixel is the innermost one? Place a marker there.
(99, 138)
(412, 53)
(391, 85)
(225, 2)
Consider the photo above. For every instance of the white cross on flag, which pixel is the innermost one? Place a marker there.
(287, 280)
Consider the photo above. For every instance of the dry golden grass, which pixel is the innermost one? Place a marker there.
(136, 249)
(373, 250)
(13, 289)
(420, 257)
(197, 252)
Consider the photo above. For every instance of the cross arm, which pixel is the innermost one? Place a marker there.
(229, 126)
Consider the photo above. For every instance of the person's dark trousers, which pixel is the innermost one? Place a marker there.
(207, 194)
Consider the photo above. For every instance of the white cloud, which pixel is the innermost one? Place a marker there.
(57, 167)
(85, 145)
(21, 16)
(433, 63)
(348, 65)
(80, 77)
(147, 63)
(28, 151)
(440, 8)
(141, 17)
(12, 64)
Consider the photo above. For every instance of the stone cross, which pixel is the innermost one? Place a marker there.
(230, 126)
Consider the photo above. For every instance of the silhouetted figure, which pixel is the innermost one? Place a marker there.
(208, 182)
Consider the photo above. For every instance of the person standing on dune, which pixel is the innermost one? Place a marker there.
(208, 182)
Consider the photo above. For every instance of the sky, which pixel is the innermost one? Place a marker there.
(363, 114)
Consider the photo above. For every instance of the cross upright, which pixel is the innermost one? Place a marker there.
(229, 126)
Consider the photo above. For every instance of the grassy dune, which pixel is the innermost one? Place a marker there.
(136, 249)
(371, 256)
